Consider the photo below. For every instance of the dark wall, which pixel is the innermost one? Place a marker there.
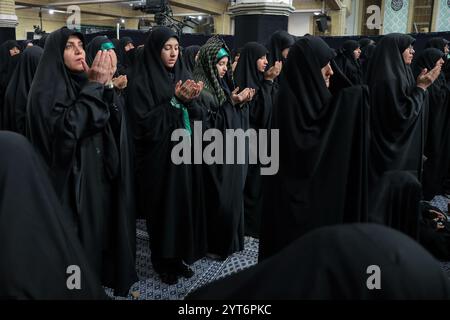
(257, 28)
(421, 39)
(139, 37)
(7, 34)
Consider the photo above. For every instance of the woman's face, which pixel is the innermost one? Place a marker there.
(128, 47)
(327, 72)
(74, 54)
(357, 53)
(222, 67)
(14, 51)
(446, 49)
(169, 53)
(408, 55)
(262, 63)
(285, 53)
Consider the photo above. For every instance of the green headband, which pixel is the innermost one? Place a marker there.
(222, 53)
(107, 46)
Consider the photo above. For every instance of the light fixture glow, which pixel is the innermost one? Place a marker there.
(51, 11)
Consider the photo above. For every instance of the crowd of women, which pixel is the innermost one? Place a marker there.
(363, 137)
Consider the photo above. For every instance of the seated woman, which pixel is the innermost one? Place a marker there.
(40, 254)
(75, 125)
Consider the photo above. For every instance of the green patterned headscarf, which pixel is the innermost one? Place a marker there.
(206, 70)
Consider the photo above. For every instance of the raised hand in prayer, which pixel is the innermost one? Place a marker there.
(274, 71)
(426, 79)
(188, 90)
(244, 96)
(100, 71)
(120, 82)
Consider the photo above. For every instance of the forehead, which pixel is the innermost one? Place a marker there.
(223, 60)
(74, 39)
(172, 42)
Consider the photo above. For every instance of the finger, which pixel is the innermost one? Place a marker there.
(236, 90)
(85, 66)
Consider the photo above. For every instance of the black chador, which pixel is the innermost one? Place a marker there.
(397, 110)
(169, 194)
(322, 177)
(15, 108)
(224, 182)
(40, 254)
(437, 147)
(8, 64)
(77, 128)
(348, 64)
(338, 263)
(247, 75)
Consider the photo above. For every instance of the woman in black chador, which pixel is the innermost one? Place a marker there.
(437, 148)
(190, 56)
(348, 61)
(333, 263)
(322, 122)
(40, 254)
(398, 107)
(15, 108)
(80, 133)
(9, 57)
(250, 73)
(223, 109)
(169, 194)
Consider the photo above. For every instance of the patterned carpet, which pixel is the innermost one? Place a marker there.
(206, 270)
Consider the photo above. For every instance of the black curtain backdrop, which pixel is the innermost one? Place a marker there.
(7, 34)
(139, 36)
(257, 28)
(238, 40)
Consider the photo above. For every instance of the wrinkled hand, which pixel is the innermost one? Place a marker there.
(274, 71)
(244, 96)
(426, 79)
(101, 69)
(189, 90)
(120, 82)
